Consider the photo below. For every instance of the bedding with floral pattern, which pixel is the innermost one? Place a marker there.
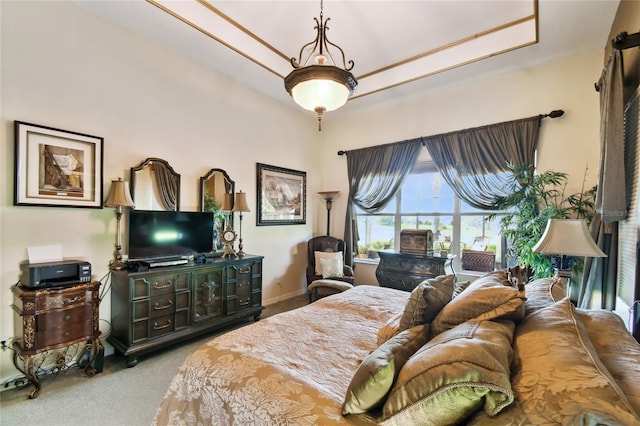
(496, 353)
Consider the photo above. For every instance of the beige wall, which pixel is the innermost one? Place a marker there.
(64, 68)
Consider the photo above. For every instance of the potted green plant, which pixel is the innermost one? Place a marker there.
(219, 217)
(533, 199)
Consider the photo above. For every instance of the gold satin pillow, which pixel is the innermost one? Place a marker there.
(426, 300)
(543, 292)
(484, 299)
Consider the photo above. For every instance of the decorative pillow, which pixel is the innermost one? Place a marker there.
(486, 298)
(332, 267)
(543, 292)
(558, 376)
(426, 300)
(453, 375)
(324, 255)
(617, 349)
(373, 379)
(389, 329)
(459, 287)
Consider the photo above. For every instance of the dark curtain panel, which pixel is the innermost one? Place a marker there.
(375, 174)
(167, 185)
(611, 200)
(597, 288)
(600, 273)
(474, 161)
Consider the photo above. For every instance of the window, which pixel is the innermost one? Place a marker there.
(426, 201)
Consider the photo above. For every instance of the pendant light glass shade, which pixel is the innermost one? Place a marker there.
(317, 84)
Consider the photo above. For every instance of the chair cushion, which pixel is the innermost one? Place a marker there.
(332, 267)
(338, 285)
(325, 255)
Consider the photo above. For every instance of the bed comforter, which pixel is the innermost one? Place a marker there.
(295, 368)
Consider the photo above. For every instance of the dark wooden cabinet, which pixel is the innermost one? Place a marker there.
(159, 307)
(49, 319)
(404, 271)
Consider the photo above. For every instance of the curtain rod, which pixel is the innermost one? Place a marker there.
(625, 41)
(621, 42)
(553, 114)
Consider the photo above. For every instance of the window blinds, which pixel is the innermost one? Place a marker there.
(629, 229)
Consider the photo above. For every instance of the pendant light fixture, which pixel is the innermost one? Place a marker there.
(316, 83)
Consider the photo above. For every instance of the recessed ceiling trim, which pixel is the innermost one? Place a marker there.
(184, 13)
(440, 60)
(452, 45)
(243, 29)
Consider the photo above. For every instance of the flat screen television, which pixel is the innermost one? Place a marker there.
(162, 235)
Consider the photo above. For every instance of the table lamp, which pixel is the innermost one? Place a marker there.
(564, 240)
(240, 205)
(119, 197)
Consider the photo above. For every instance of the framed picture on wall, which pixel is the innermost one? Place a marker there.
(57, 168)
(282, 196)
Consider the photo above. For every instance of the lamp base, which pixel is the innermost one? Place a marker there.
(117, 265)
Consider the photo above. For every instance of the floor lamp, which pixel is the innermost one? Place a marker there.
(119, 197)
(329, 196)
(564, 240)
(241, 206)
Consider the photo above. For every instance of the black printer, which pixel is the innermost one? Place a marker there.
(62, 273)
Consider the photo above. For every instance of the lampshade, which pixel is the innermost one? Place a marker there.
(119, 195)
(569, 237)
(329, 195)
(316, 83)
(320, 87)
(227, 202)
(241, 204)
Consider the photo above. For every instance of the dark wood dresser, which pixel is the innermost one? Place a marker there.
(161, 306)
(404, 271)
(55, 318)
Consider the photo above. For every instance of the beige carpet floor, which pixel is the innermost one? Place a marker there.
(118, 396)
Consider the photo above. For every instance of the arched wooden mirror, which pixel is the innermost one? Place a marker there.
(155, 186)
(217, 193)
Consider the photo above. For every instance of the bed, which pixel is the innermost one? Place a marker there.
(484, 353)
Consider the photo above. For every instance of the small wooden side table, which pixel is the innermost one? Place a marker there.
(48, 322)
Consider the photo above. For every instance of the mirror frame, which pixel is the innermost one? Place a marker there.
(231, 186)
(148, 162)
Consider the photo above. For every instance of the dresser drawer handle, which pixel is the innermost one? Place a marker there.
(160, 327)
(66, 334)
(246, 270)
(245, 302)
(157, 285)
(159, 307)
(67, 317)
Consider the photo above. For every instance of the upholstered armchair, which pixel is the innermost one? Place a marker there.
(326, 269)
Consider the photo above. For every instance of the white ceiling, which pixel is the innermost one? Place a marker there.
(399, 47)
